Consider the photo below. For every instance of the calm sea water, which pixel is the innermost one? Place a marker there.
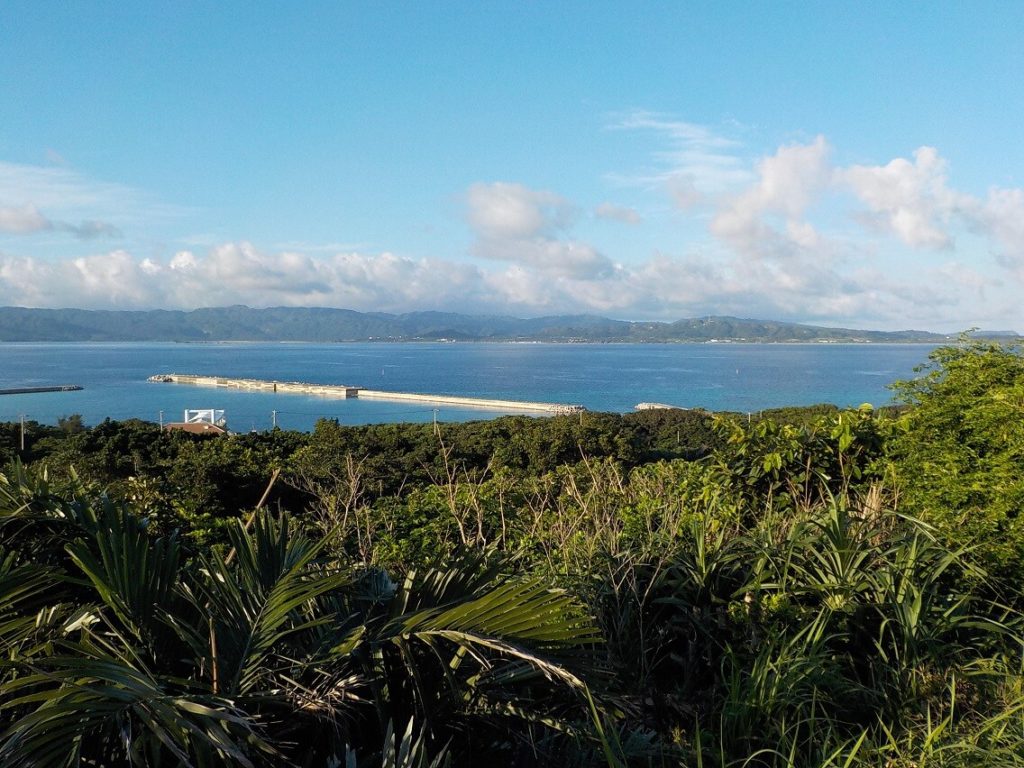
(603, 377)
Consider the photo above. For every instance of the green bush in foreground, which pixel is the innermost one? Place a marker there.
(836, 633)
(957, 454)
(123, 648)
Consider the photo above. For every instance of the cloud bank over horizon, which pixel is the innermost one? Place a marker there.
(789, 235)
(820, 163)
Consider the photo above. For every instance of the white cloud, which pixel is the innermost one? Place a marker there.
(566, 258)
(243, 266)
(787, 183)
(769, 209)
(116, 279)
(612, 212)
(22, 220)
(511, 211)
(183, 261)
(909, 199)
(516, 224)
(106, 280)
(914, 201)
(683, 190)
(1001, 217)
(27, 282)
(663, 286)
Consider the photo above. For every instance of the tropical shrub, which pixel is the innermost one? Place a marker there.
(958, 450)
(125, 648)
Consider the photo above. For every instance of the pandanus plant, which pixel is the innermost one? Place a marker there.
(129, 650)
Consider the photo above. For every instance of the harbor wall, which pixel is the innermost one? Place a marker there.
(473, 402)
(340, 391)
(37, 390)
(257, 385)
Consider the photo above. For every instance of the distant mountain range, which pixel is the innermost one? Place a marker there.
(240, 323)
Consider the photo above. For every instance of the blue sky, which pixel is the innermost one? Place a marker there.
(837, 163)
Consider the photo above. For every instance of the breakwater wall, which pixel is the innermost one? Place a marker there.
(257, 385)
(342, 391)
(35, 390)
(472, 402)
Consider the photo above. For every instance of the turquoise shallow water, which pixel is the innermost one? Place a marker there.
(602, 377)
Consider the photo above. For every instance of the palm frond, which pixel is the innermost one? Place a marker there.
(89, 702)
(256, 605)
(132, 572)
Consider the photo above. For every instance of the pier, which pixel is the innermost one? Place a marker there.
(37, 390)
(345, 392)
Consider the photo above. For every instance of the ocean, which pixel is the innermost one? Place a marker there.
(601, 377)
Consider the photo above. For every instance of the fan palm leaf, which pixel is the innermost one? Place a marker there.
(89, 703)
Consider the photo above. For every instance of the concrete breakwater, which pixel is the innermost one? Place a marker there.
(257, 385)
(36, 390)
(474, 402)
(343, 391)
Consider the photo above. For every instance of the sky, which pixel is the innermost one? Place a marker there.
(856, 164)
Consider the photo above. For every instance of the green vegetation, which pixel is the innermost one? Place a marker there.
(813, 587)
(959, 452)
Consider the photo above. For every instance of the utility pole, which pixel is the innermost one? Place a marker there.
(273, 419)
(23, 433)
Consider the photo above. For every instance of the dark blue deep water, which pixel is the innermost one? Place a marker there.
(603, 377)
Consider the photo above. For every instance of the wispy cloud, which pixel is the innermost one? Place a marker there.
(1000, 217)
(695, 162)
(613, 212)
(58, 187)
(35, 198)
(27, 220)
(23, 220)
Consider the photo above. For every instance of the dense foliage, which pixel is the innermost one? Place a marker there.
(811, 587)
(959, 452)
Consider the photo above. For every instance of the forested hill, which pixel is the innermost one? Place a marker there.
(240, 323)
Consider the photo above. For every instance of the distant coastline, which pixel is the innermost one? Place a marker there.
(239, 324)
